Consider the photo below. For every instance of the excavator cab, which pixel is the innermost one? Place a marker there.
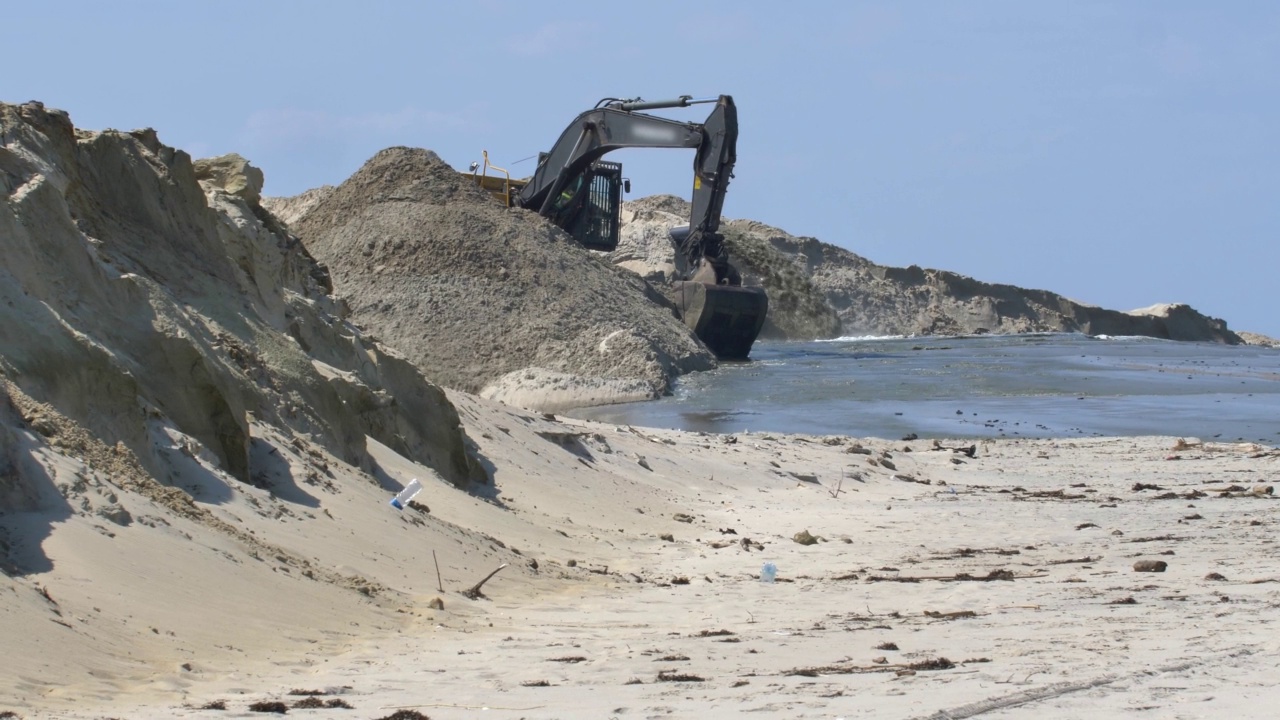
(588, 207)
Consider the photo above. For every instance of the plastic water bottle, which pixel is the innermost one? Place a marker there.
(413, 488)
(768, 573)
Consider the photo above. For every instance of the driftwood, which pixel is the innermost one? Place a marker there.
(958, 577)
(955, 615)
(835, 492)
(1086, 559)
(850, 669)
(969, 451)
(474, 591)
(439, 582)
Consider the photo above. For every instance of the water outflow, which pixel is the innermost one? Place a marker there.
(1045, 385)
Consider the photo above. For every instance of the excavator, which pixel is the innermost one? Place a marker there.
(582, 194)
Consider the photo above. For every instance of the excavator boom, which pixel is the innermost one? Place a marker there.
(616, 124)
(581, 193)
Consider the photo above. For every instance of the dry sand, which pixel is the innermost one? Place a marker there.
(892, 613)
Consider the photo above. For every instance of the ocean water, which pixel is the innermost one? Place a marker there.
(1042, 385)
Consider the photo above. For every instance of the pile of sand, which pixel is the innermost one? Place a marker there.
(472, 291)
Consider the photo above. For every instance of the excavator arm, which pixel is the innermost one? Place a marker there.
(563, 173)
(582, 194)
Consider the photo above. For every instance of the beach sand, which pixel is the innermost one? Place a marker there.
(941, 584)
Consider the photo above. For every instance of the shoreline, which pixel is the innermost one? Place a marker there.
(543, 390)
(979, 388)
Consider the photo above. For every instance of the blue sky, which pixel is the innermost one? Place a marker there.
(1120, 153)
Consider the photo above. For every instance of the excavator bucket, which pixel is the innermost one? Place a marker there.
(726, 318)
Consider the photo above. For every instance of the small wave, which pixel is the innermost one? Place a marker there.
(956, 336)
(716, 415)
(864, 338)
(1124, 337)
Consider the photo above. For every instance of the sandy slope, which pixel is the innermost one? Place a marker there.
(1062, 517)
